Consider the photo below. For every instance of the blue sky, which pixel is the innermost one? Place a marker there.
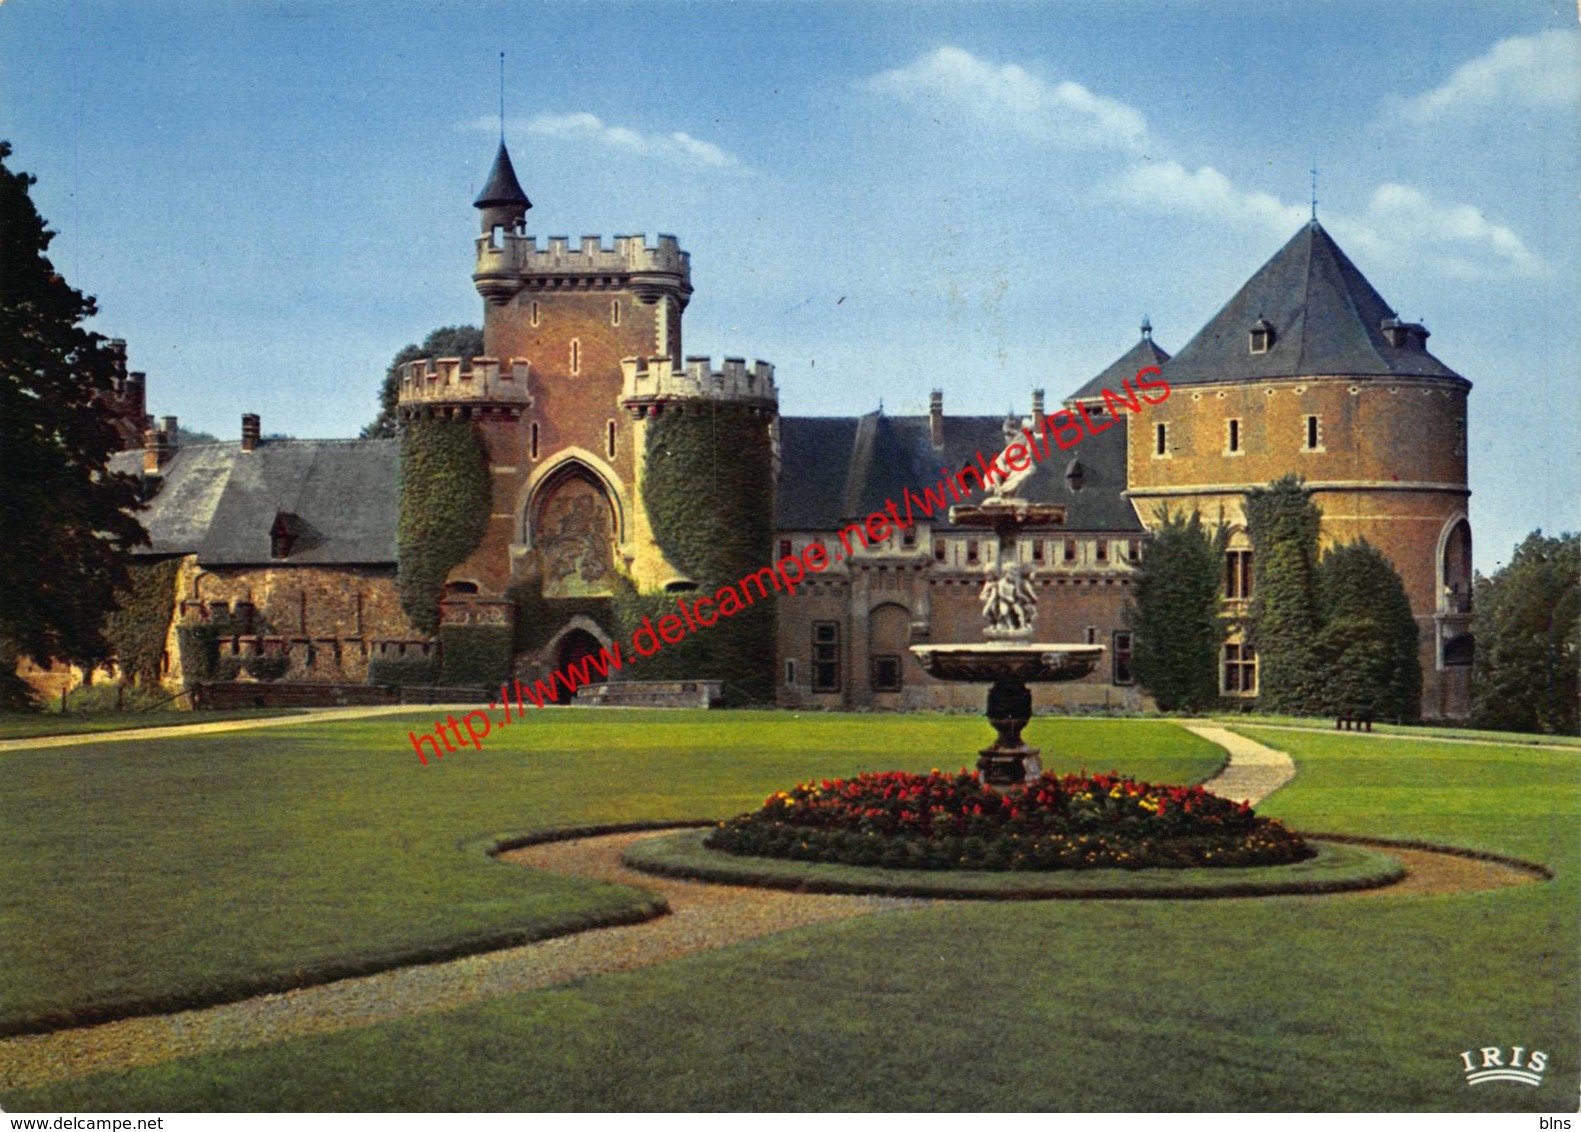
(270, 199)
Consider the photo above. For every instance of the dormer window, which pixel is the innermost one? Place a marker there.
(282, 535)
(1075, 475)
(1262, 336)
(1404, 335)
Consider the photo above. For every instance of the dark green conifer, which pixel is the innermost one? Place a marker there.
(1174, 613)
(1283, 523)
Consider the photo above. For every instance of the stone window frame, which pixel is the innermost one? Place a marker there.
(826, 662)
(1238, 669)
(893, 674)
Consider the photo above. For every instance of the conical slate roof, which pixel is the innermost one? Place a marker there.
(1145, 353)
(1326, 320)
(502, 187)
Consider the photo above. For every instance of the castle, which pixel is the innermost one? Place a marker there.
(619, 468)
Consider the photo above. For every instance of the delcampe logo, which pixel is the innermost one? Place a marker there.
(1493, 1065)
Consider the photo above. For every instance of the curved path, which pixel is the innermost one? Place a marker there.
(1251, 771)
(703, 917)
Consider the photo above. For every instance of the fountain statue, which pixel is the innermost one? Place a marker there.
(1008, 659)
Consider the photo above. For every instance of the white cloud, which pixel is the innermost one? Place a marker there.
(1171, 188)
(1064, 112)
(1525, 71)
(678, 147)
(1403, 223)
(1401, 226)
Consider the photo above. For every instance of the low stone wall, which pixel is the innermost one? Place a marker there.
(244, 694)
(652, 694)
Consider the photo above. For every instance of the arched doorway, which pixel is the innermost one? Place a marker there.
(575, 647)
(1454, 569)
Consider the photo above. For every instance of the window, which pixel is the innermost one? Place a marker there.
(1460, 437)
(576, 355)
(1092, 634)
(790, 670)
(1238, 575)
(1262, 336)
(1232, 439)
(938, 550)
(533, 444)
(1160, 439)
(908, 538)
(1102, 550)
(1312, 436)
(1037, 551)
(609, 443)
(886, 674)
(614, 313)
(785, 548)
(826, 656)
(1240, 669)
(1133, 550)
(532, 313)
(1070, 550)
(971, 550)
(1122, 658)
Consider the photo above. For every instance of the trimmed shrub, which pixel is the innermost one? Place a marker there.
(475, 656)
(1174, 612)
(267, 667)
(413, 670)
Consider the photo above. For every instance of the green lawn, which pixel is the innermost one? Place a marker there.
(1289, 1003)
(1407, 731)
(183, 871)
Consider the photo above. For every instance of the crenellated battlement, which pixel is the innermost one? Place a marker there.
(431, 381)
(508, 262)
(655, 380)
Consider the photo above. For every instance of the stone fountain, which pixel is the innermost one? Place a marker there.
(1008, 659)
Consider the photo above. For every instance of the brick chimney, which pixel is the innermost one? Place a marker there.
(168, 427)
(1037, 411)
(936, 417)
(156, 449)
(252, 429)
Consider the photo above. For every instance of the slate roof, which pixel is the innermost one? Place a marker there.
(1145, 353)
(502, 187)
(837, 469)
(1327, 320)
(339, 498)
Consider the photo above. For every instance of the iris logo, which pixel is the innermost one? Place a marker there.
(1493, 1065)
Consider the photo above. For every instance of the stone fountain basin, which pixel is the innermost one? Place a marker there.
(991, 661)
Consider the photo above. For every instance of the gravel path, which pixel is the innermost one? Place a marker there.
(704, 916)
(187, 730)
(1252, 772)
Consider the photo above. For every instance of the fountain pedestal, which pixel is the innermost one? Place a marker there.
(1008, 659)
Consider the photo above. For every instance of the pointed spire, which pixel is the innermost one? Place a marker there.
(502, 189)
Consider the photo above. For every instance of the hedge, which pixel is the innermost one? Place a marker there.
(475, 655)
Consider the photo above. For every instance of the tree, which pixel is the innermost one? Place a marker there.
(1174, 612)
(464, 342)
(1369, 645)
(67, 522)
(1525, 675)
(1283, 523)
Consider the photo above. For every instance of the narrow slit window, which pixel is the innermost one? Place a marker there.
(532, 312)
(609, 444)
(1102, 550)
(576, 355)
(1160, 439)
(1233, 438)
(1312, 432)
(533, 443)
(614, 313)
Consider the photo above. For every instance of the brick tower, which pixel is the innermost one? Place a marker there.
(582, 355)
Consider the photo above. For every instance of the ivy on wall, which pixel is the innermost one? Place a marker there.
(139, 626)
(199, 646)
(708, 484)
(539, 618)
(445, 502)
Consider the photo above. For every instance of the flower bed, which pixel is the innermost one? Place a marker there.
(952, 821)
